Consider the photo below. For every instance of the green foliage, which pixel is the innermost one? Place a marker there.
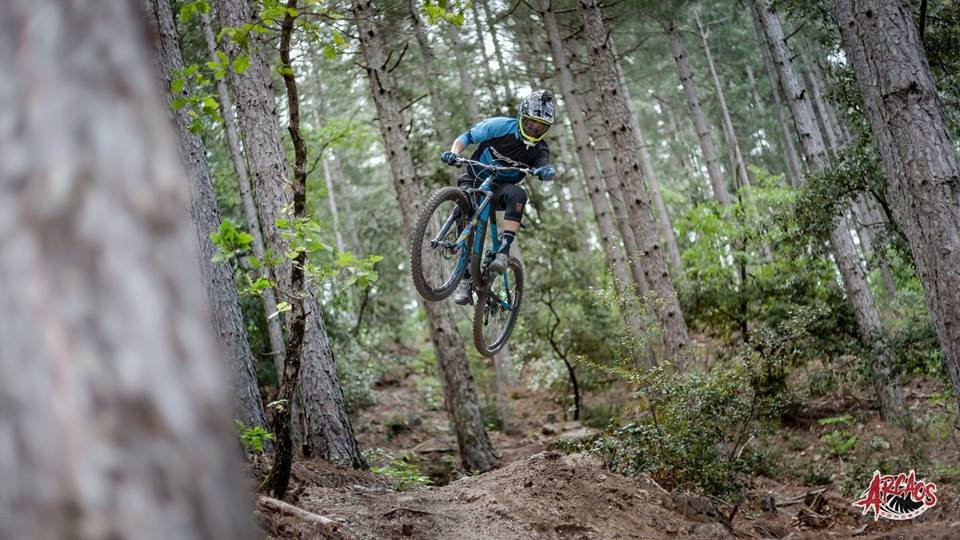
(695, 428)
(747, 269)
(253, 438)
(402, 471)
(186, 87)
(437, 10)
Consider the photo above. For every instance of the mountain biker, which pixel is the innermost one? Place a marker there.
(510, 142)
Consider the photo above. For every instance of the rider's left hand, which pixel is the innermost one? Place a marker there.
(545, 173)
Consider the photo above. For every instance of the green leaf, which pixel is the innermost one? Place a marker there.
(191, 70)
(176, 85)
(178, 103)
(241, 63)
(196, 126)
(210, 105)
(285, 70)
(338, 39)
(281, 307)
(329, 52)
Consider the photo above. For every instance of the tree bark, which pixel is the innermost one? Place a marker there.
(794, 167)
(466, 80)
(268, 298)
(739, 164)
(892, 404)
(460, 396)
(626, 152)
(591, 173)
(920, 159)
(116, 419)
(217, 277)
(498, 52)
(700, 126)
(484, 57)
(650, 177)
(329, 432)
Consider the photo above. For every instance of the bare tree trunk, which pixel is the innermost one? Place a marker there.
(831, 127)
(498, 52)
(116, 420)
(591, 173)
(626, 150)
(795, 169)
(707, 148)
(866, 226)
(466, 80)
(433, 76)
(268, 298)
(476, 453)
(217, 277)
(858, 292)
(868, 219)
(920, 159)
(610, 177)
(650, 177)
(739, 163)
(328, 432)
(484, 57)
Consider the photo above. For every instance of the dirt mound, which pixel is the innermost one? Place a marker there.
(548, 495)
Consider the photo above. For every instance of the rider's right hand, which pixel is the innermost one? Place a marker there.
(450, 158)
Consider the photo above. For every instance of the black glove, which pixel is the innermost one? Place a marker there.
(450, 158)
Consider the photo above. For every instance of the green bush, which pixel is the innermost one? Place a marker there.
(696, 428)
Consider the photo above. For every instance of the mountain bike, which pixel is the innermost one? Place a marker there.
(449, 236)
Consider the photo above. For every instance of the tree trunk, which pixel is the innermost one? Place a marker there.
(720, 192)
(268, 298)
(279, 477)
(920, 159)
(626, 151)
(217, 277)
(871, 222)
(484, 57)
(328, 432)
(858, 292)
(610, 177)
(116, 419)
(460, 396)
(433, 76)
(498, 53)
(466, 80)
(739, 164)
(650, 177)
(591, 172)
(794, 168)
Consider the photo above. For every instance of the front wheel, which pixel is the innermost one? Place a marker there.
(497, 308)
(437, 264)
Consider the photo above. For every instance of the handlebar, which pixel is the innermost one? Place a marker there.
(495, 168)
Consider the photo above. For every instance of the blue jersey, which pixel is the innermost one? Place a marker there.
(499, 142)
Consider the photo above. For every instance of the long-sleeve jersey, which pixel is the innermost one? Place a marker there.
(499, 142)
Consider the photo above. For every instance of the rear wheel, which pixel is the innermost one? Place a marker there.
(497, 308)
(436, 263)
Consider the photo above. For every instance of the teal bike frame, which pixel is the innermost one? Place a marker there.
(477, 226)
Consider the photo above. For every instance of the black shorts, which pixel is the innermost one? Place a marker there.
(509, 198)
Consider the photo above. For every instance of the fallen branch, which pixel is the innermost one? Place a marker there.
(291, 510)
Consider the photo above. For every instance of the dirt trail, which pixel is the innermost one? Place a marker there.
(555, 496)
(548, 495)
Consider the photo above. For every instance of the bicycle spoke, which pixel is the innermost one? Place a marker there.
(440, 261)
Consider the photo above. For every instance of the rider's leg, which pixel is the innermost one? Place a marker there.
(512, 200)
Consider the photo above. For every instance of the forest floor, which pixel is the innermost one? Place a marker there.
(538, 492)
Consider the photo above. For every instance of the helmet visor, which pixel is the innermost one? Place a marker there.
(534, 128)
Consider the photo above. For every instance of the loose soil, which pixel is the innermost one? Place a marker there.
(540, 493)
